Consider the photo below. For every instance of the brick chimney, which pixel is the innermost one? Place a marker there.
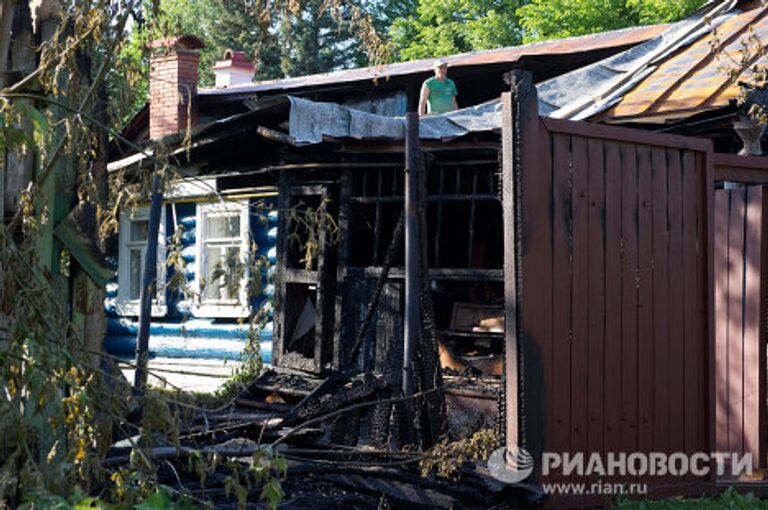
(235, 69)
(173, 85)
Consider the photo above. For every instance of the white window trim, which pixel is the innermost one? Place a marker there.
(123, 304)
(218, 310)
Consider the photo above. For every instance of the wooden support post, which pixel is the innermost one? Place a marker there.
(148, 285)
(412, 250)
(520, 124)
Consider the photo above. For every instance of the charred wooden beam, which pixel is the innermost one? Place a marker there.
(344, 394)
(413, 274)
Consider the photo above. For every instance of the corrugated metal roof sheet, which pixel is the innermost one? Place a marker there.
(584, 93)
(697, 78)
(572, 45)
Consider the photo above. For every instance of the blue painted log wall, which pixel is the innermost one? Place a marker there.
(179, 334)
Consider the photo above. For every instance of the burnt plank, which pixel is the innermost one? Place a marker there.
(735, 318)
(569, 192)
(645, 304)
(527, 204)
(677, 304)
(587, 245)
(629, 294)
(661, 303)
(612, 355)
(512, 304)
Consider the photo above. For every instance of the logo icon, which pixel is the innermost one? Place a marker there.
(510, 466)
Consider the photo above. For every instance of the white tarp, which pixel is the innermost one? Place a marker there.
(310, 121)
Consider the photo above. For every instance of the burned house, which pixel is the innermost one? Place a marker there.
(252, 175)
(569, 272)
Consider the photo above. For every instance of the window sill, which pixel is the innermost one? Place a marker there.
(131, 308)
(221, 311)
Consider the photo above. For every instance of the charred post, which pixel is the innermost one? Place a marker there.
(412, 249)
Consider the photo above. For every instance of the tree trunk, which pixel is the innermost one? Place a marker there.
(18, 164)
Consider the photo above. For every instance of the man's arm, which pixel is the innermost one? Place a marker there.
(453, 98)
(455, 104)
(424, 96)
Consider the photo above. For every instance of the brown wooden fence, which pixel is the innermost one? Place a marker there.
(741, 258)
(608, 235)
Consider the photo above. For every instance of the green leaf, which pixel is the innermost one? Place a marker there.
(159, 500)
(272, 494)
(38, 120)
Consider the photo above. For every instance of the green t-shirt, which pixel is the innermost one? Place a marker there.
(441, 94)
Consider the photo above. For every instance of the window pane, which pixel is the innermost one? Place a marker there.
(135, 277)
(139, 230)
(221, 226)
(224, 273)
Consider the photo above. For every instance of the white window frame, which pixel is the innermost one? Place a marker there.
(210, 308)
(124, 305)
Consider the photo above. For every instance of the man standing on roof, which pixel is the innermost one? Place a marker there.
(438, 94)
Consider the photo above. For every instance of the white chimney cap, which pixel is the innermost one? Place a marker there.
(235, 69)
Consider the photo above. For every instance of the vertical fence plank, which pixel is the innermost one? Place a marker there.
(598, 182)
(704, 311)
(661, 303)
(677, 304)
(691, 351)
(735, 319)
(586, 300)
(613, 299)
(536, 267)
(566, 202)
(629, 363)
(645, 304)
(752, 317)
(722, 243)
(762, 355)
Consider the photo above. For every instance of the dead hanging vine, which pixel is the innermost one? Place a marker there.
(63, 404)
(307, 225)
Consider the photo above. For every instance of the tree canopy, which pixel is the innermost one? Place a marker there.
(432, 28)
(443, 27)
(554, 19)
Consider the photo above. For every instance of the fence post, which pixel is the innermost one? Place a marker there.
(524, 425)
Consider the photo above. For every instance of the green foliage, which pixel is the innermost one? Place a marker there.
(446, 458)
(60, 408)
(162, 498)
(311, 41)
(236, 24)
(554, 19)
(730, 500)
(305, 37)
(15, 134)
(443, 27)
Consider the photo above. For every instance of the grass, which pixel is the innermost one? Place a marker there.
(729, 500)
